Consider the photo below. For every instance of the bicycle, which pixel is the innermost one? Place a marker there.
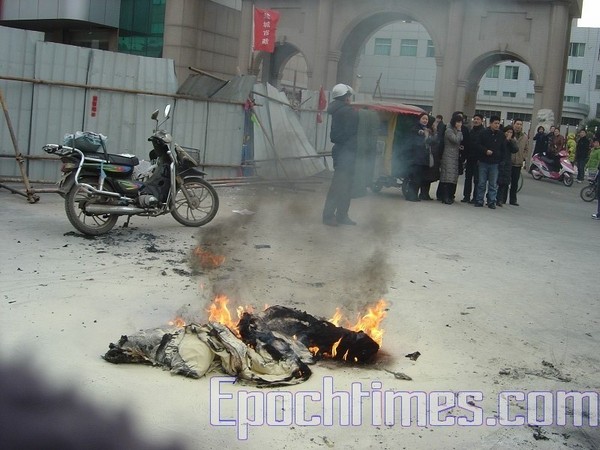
(589, 193)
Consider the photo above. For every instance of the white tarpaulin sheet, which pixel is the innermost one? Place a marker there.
(281, 147)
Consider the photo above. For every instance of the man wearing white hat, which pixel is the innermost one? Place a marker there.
(343, 135)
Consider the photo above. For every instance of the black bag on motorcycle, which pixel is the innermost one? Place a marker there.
(158, 184)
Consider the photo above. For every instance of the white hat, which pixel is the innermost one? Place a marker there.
(339, 90)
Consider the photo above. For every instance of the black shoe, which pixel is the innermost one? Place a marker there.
(514, 203)
(499, 205)
(465, 200)
(478, 205)
(492, 206)
(413, 199)
(425, 197)
(472, 201)
(345, 221)
(330, 221)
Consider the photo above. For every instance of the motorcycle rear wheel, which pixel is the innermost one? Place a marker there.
(88, 224)
(588, 193)
(203, 207)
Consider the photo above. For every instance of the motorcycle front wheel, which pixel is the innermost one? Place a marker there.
(88, 224)
(567, 180)
(199, 207)
(535, 174)
(588, 193)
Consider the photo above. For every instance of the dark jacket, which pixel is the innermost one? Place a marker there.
(541, 143)
(505, 166)
(344, 124)
(422, 138)
(582, 151)
(472, 143)
(494, 141)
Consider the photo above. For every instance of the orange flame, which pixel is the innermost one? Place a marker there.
(334, 347)
(219, 312)
(207, 259)
(369, 323)
(178, 322)
(337, 317)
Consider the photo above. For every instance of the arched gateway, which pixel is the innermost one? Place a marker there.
(469, 36)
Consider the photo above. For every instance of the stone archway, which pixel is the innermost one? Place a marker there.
(329, 31)
(274, 63)
(357, 37)
(476, 71)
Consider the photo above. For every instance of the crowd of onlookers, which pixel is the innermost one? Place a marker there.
(491, 157)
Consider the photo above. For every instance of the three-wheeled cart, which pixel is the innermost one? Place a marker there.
(390, 166)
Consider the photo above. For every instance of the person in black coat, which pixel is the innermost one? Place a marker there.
(541, 141)
(505, 165)
(343, 134)
(472, 156)
(582, 154)
(491, 152)
(421, 139)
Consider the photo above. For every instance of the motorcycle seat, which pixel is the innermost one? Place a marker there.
(116, 159)
(123, 160)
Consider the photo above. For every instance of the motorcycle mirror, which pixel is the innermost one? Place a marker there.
(167, 111)
(154, 115)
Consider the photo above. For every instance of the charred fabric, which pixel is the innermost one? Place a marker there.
(274, 347)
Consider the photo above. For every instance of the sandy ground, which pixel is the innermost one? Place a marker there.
(494, 300)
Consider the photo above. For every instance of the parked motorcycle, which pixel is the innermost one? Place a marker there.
(98, 187)
(589, 193)
(543, 167)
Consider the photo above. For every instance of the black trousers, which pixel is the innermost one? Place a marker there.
(580, 163)
(515, 175)
(339, 195)
(415, 180)
(447, 191)
(471, 179)
(502, 194)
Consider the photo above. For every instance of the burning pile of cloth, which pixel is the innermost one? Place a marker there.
(274, 347)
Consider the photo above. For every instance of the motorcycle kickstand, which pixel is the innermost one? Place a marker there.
(126, 224)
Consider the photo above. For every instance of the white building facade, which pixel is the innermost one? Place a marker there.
(398, 64)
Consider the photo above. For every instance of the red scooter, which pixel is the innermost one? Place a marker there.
(544, 167)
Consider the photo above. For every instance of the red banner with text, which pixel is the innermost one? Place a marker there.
(265, 27)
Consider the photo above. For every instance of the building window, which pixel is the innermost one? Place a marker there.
(509, 94)
(570, 121)
(516, 115)
(490, 93)
(493, 72)
(487, 113)
(408, 47)
(597, 82)
(530, 96)
(574, 76)
(577, 49)
(571, 99)
(430, 49)
(141, 27)
(511, 72)
(597, 110)
(383, 46)
(531, 78)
